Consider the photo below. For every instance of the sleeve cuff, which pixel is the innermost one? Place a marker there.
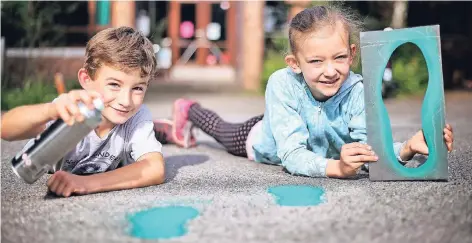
(397, 147)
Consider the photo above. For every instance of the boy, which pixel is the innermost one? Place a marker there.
(122, 152)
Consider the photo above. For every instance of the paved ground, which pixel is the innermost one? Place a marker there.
(231, 193)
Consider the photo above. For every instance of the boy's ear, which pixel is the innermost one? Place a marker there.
(293, 63)
(84, 78)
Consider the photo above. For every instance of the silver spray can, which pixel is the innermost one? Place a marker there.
(47, 149)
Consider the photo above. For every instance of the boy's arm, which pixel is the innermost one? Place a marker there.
(147, 171)
(26, 121)
(149, 167)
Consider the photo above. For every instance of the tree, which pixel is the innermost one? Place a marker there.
(399, 15)
(31, 24)
(391, 13)
(34, 22)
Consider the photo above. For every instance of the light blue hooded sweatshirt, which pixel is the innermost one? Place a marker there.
(301, 133)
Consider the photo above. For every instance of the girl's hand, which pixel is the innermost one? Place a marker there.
(353, 156)
(417, 144)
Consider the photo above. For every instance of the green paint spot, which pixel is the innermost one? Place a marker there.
(161, 222)
(298, 195)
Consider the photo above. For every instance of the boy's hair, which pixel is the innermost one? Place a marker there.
(123, 48)
(315, 18)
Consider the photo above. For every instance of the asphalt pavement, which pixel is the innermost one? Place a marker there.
(231, 192)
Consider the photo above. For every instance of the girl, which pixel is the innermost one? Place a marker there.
(314, 123)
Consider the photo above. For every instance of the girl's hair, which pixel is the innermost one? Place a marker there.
(315, 18)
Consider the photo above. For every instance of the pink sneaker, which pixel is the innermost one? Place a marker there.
(163, 130)
(182, 129)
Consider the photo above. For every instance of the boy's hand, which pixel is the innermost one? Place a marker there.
(417, 144)
(65, 107)
(353, 156)
(65, 184)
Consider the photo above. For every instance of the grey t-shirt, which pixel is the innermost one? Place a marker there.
(123, 145)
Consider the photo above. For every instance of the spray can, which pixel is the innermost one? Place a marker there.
(48, 148)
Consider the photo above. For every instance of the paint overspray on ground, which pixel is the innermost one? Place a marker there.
(298, 195)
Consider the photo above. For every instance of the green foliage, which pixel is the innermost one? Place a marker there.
(32, 92)
(31, 24)
(319, 3)
(156, 34)
(34, 20)
(273, 62)
(274, 58)
(409, 70)
(281, 45)
(357, 67)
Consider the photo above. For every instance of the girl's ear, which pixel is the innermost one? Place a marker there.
(353, 53)
(84, 78)
(292, 62)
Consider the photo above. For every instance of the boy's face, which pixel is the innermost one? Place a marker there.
(123, 92)
(324, 58)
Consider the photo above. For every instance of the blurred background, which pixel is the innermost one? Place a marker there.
(208, 44)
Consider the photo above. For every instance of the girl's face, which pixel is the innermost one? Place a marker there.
(324, 58)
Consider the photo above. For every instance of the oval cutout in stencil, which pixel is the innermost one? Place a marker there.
(406, 77)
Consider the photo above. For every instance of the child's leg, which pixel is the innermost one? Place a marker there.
(163, 130)
(232, 136)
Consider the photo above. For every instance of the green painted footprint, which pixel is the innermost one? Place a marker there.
(161, 222)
